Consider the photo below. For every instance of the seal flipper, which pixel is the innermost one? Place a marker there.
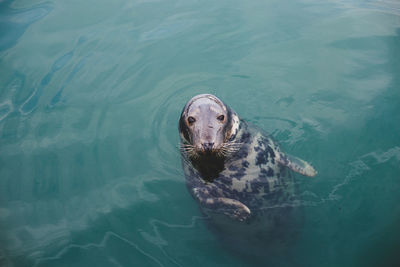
(227, 206)
(296, 164)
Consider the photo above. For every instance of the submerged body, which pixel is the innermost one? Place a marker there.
(241, 176)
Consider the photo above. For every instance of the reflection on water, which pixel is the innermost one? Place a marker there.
(91, 93)
(14, 22)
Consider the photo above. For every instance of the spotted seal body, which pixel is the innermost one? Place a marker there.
(231, 167)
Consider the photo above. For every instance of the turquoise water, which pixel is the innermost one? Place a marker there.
(91, 92)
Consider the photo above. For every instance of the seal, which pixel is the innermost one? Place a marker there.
(231, 167)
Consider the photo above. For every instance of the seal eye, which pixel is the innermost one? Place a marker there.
(191, 120)
(221, 117)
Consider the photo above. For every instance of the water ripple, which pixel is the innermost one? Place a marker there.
(57, 97)
(157, 238)
(102, 244)
(169, 28)
(69, 216)
(16, 21)
(357, 168)
(31, 103)
(5, 109)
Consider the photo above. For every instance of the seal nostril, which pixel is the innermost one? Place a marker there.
(208, 146)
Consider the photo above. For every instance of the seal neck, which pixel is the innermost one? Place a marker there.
(209, 167)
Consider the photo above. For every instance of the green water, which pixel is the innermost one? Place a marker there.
(90, 96)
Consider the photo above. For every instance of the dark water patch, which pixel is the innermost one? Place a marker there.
(14, 22)
(32, 102)
(58, 96)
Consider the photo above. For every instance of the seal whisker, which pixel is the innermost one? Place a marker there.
(233, 144)
(226, 151)
(231, 147)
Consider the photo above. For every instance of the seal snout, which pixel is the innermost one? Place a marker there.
(207, 147)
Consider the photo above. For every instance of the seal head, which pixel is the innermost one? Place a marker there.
(207, 126)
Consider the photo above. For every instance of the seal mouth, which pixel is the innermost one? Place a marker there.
(208, 152)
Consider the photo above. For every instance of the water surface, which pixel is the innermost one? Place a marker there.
(90, 96)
